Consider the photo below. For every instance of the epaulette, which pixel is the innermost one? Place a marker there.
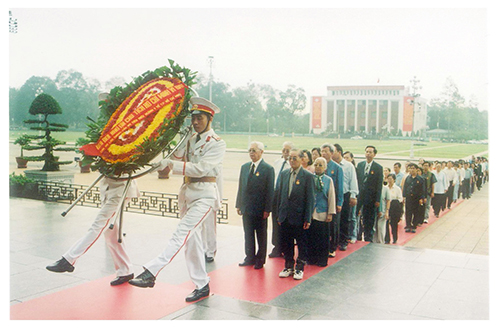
(215, 137)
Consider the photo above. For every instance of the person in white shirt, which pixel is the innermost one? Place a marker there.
(350, 191)
(452, 178)
(395, 207)
(440, 189)
(199, 160)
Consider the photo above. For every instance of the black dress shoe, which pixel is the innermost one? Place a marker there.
(209, 259)
(144, 280)
(121, 279)
(343, 247)
(62, 265)
(258, 265)
(246, 263)
(198, 294)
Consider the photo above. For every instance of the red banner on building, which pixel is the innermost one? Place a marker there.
(408, 113)
(316, 112)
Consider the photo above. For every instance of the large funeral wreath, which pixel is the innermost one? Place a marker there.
(138, 121)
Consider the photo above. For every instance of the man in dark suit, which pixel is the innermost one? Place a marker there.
(370, 178)
(294, 201)
(254, 202)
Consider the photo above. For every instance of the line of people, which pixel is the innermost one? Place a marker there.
(321, 201)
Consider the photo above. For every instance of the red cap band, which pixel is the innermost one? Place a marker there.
(203, 108)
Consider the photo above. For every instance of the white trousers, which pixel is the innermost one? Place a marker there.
(188, 234)
(380, 226)
(101, 225)
(209, 235)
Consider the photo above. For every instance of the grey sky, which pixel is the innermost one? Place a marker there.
(309, 48)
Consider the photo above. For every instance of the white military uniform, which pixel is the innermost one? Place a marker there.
(111, 193)
(198, 203)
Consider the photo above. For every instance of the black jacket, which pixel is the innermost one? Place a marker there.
(255, 194)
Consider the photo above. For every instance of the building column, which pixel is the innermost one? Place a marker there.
(389, 116)
(345, 115)
(366, 117)
(356, 115)
(400, 114)
(335, 115)
(377, 119)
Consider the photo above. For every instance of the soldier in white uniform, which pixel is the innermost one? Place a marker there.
(111, 193)
(200, 161)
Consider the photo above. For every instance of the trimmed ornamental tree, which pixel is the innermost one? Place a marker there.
(46, 105)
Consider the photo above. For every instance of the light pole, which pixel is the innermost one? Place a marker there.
(415, 86)
(250, 112)
(210, 77)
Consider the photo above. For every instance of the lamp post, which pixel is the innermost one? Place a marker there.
(210, 77)
(415, 86)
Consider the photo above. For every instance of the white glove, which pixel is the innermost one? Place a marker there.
(162, 165)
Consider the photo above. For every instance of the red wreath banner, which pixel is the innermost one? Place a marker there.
(137, 118)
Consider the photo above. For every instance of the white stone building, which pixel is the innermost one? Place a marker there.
(369, 109)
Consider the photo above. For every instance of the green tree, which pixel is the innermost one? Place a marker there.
(46, 105)
(452, 112)
(23, 98)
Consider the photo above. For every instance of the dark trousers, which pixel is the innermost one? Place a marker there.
(288, 234)
(438, 202)
(420, 214)
(466, 188)
(275, 238)
(317, 243)
(479, 182)
(334, 232)
(369, 213)
(411, 213)
(449, 196)
(255, 226)
(387, 238)
(345, 214)
(393, 223)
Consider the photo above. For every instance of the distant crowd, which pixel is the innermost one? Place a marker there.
(321, 201)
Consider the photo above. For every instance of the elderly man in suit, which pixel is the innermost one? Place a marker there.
(294, 201)
(370, 179)
(254, 202)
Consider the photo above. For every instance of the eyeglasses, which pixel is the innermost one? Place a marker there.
(294, 158)
(252, 151)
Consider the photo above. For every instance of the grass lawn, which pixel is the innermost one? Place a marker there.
(386, 147)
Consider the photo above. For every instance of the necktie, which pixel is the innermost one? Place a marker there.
(292, 180)
(282, 166)
(250, 174)
(367, 169)
(198, 137)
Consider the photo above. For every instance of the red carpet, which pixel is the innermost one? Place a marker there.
(404, 237)
(263, 285)
(97, 300)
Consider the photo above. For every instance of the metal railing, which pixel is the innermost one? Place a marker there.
(150, 203)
